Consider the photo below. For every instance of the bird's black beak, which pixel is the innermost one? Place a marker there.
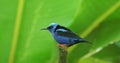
(44, 29)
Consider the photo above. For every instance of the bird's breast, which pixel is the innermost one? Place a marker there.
(61, 39)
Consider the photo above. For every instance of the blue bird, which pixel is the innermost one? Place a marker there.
(63, 35)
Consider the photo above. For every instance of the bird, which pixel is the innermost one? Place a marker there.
(63, 35)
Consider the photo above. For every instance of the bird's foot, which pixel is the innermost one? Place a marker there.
(63, 46)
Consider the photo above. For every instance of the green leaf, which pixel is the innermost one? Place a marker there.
(22, 41)
(110, 53)
(96, 27)
(92, 13)
(7, 21)
(118, 43)
(93, 60)
(106, 33)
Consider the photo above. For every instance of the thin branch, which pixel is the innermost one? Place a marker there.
(63, 54)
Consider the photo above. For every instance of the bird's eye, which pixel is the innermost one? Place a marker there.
(50, 27)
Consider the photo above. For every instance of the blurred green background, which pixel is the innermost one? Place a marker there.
(22, 41)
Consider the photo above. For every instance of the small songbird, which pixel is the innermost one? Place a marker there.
(63, 35)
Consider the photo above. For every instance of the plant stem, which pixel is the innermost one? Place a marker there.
(63, 54)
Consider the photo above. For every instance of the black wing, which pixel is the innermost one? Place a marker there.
(67, 33)
(61, 27)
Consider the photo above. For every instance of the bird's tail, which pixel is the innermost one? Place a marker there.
(80, 41)
(83, 40)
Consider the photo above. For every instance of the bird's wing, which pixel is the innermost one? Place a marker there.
(61, 28)
(66, 33)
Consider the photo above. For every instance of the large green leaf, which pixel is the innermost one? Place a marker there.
(118, 43)
(98, 27)
(110, 53)
(91, 13)
(108, 32)
(22, 41)
(94, 60)
(7, 20)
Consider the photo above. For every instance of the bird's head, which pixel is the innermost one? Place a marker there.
(51, 27)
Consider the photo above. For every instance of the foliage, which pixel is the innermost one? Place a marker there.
(22, 41)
